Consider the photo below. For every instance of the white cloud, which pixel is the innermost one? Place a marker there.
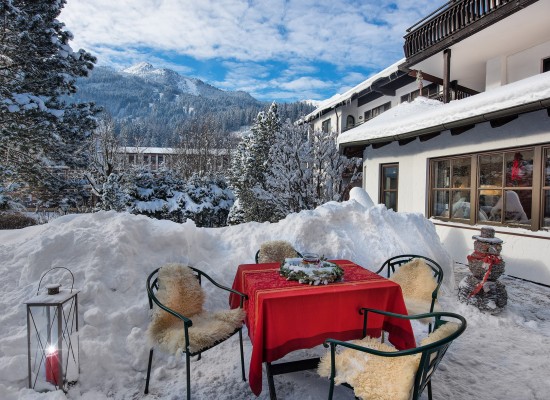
(346, 33)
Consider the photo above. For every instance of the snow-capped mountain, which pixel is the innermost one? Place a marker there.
(166, 77)
(160, 102)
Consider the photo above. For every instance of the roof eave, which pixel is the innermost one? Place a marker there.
(360, 145)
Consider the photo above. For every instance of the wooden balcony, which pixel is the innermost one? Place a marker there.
(453, 22)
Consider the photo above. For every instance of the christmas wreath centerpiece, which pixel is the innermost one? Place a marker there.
(311, 270)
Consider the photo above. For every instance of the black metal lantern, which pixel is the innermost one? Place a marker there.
(52, 336)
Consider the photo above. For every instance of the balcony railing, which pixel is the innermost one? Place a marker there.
(450, 19)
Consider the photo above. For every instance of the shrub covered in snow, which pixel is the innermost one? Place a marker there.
(162, 195)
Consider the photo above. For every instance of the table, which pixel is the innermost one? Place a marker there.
(284, 316)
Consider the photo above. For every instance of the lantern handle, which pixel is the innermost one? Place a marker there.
(48, 271)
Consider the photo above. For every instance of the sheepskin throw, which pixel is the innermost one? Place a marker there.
(417, 283)
(379, 378)
(276, 251)
(180, 291)
(373, 377)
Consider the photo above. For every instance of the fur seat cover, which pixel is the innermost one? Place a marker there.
(375, 377)
(180, 291)
(417, 283)
(276, 251)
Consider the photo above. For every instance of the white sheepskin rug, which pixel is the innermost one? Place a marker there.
(180, 291)
(417, 283)
(379, 378)
(276, 251)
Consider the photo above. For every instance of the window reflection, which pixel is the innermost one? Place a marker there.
(519, 169)
(546, 217)
(441, 203)
(461, 173)
(546, 190)
(490, 170)
(514, 204)
(441, 174)
(461, 205)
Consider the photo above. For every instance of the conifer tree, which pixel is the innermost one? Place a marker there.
(251, 164)
(38, 69)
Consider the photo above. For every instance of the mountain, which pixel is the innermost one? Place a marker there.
(157, 106)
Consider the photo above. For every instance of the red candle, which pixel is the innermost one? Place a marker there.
(52, 367)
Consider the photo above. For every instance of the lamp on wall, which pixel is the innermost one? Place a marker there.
(52, 336)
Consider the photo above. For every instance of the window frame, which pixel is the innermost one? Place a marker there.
(326, 125)
(410, 96)
(382, 187)
(537, 188)
(350, 121)
(545, 65)
(382, 108)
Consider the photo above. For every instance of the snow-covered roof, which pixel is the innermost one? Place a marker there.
(147, 150)
(169, 150)
(424, 115)
(342, 98)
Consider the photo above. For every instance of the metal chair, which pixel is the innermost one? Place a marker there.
(280, 248)
(391, 264)
(152, 291)
(429, 355)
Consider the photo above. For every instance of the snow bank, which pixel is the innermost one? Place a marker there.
(112, 253)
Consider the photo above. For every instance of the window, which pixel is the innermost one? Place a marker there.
(433, 91)
(546, 190)
(131, 158)
(350, 122)
(410, 96)
(325, 126)
(502, 188)
(370, 114)
(451, 180)
(389, 177)
(161, 160)
(546, 64)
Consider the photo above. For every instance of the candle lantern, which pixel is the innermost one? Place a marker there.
(52, 336)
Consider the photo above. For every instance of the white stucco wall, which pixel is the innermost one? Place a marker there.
(495, 75)
(526, 256)
(527, 62)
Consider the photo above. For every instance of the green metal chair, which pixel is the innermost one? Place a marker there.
(389, 267)
(152, 289)
(430, 354)
(286, 250)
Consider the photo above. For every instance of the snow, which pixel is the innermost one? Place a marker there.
(111, 254)
(148, 71)
(346, 96)
(424, 113)
(186, 85)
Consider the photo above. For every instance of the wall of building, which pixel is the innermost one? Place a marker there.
(527, 63)
(526, 252)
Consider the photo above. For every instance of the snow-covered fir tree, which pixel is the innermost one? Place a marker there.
(250, 166)
(104, 157)
(288, 186)
(328, 167)
(160, 194)
(38, 129)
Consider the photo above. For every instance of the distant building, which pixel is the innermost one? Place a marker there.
(189, 160)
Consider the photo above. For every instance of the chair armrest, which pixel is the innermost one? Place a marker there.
(334, 343)
(365, 311)
(236, 292)
(187, 321)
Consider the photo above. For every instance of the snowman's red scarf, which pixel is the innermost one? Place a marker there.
(489, 259)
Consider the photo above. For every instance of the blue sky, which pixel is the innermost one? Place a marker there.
(282, 50)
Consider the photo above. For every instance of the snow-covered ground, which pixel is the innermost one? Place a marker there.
(111, 254)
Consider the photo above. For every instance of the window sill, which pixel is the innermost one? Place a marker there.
(503, 230)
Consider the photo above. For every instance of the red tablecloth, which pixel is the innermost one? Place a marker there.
(283, 316)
